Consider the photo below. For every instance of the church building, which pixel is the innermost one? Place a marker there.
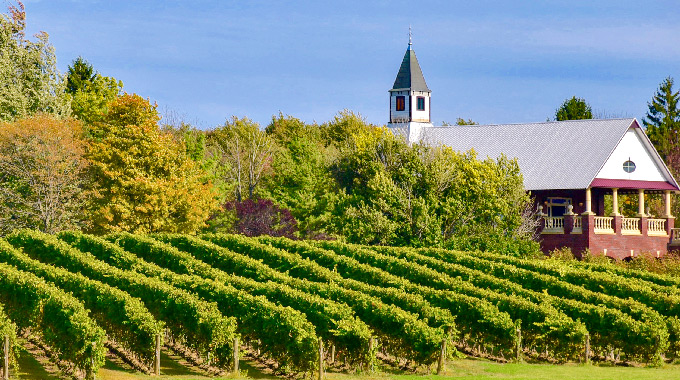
(568, 168)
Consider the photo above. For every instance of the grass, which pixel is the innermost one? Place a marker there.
(173, 368)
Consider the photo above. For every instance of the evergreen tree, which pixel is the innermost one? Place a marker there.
(574, 109)
(663, 120)
(79, 76)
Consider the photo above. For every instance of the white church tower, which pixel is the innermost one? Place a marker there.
(410, 98)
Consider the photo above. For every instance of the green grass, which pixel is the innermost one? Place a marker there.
(464, 369)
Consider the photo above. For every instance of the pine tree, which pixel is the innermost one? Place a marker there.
(79, 75)
(663, 121)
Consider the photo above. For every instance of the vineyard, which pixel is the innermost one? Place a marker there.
(306, 305)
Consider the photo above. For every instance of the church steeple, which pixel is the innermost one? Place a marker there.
(410, 97)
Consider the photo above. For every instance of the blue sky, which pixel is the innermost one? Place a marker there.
(490, 61)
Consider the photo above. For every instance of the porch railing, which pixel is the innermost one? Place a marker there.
(630, 225)
(578, 225)
(656, 227)
(554, 224)
(675, 236)
(603, 225)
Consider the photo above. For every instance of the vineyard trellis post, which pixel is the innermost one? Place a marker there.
(333, 354)
(5, 350)
(442, 354)
(157, 358)
(371, 358)
(236, 355)
(320, 359)
(587, 351)
(518, 348)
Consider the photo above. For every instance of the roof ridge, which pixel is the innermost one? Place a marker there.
(536, 123)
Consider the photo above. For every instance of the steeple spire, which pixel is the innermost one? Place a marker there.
(410, 42)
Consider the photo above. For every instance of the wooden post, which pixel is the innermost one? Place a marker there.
(370, 351)
(320, 359)
(333, 354)
(442, 356)
(587, 353)
(518, 348)
(236, 356)
(90, 375)
(5, 373)
(157, 358)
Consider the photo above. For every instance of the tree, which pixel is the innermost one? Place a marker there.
(29, 78)
(460, 121)
(41, 174)
(262, 217)
(90, 92)
(78, 75)
(662, 121)
(301, 181)
(574, 109)
(245, 152)
(142, 180)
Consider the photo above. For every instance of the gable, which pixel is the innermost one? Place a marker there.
(633, 147)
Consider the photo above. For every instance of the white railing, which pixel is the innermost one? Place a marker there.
(603, 225)
(675, 235)
(656, 227)
(554, 224)
(630, 225)
(578, 225)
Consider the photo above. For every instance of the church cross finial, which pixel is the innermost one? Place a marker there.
(409, 36)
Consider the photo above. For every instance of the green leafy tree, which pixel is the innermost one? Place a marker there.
(574, 109)
(142, 180)
(90, 91)
(302, 182)
(30, 82)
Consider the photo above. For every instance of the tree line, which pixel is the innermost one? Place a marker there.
(78, 152)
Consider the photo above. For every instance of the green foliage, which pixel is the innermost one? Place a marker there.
(8, 329)
(31, 82)
(284, 334)
(142, 180)
(195, 322)
(662, 121)
(90, 91)
(417, 195)
(58, 317)
(123, 317)
(302, 182)
(574, 109)
(409, 337)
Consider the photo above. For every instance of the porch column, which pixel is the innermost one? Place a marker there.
(641, 203)
(667, 196)
(589, 208)
(615, 202)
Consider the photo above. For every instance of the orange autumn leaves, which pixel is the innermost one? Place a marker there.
(124, 174)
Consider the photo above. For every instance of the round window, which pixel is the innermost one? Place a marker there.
(629, 166)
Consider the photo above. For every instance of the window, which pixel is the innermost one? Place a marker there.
(557, 206)
(629, 166)
(401, 103)
(421, 103)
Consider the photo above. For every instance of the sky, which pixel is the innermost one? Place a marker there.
(490, 61)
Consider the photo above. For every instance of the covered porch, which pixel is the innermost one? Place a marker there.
(578, 219)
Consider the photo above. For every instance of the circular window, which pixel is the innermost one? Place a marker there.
(629, 166)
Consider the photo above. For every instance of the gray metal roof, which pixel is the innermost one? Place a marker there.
(410, 76)
(551, 155)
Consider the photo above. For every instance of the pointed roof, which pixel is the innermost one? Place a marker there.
(551, 155)
(410, 76)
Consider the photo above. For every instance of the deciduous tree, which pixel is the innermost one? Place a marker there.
(90, 91)
(41, 174)
(143, 181)
(30, 82)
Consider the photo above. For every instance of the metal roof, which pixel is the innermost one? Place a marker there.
(551, 155)
(410, 77)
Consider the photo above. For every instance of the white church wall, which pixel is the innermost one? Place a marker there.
(632, 147)
(399, 115)
(422, 116)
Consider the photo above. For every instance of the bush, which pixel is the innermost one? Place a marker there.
(257, 217)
